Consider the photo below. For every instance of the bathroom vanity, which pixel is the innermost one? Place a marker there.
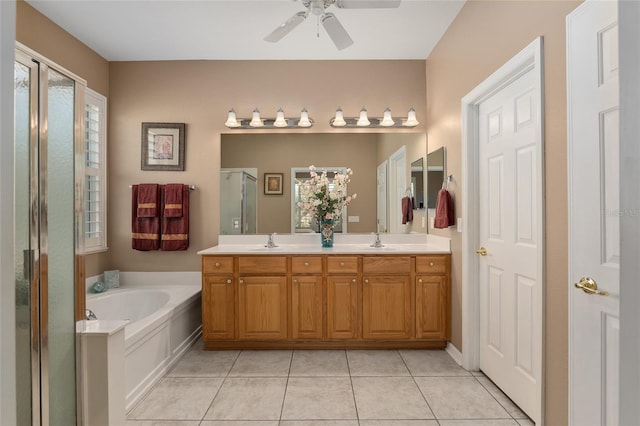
(298, 295)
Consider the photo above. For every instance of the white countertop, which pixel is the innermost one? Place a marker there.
(343, 244)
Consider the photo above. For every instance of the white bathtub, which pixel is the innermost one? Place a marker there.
(165, 321)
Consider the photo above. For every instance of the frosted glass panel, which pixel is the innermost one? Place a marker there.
(22, 90)
(61, 249)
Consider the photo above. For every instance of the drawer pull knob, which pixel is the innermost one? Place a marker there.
(431, 264)
(241, 281)
(228, 281)
(218, 264)
(341, 263)
(306, 263)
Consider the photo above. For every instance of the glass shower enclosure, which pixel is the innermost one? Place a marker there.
(238, 201)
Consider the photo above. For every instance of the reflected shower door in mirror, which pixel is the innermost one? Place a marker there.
(436, 163)
(417, 183)
(238, 200)
(280, 152)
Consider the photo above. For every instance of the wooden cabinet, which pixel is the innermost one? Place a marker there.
(331, 301)
(386, 298)
(218, 307)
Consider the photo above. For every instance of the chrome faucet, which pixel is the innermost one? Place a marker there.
(377, 242)
(270, 241)
(90, 315)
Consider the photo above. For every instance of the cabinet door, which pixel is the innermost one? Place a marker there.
(386, 307)
(432, 313)
(306, 307)
(262, 308)
(342, 307)
(218, 311)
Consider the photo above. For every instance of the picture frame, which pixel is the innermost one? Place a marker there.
(273, 183)
(163, 146)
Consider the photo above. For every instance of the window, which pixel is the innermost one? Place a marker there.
(95, 197)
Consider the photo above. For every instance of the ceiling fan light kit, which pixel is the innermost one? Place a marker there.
(330, 22)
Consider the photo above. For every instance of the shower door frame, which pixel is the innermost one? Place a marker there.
(38, 227)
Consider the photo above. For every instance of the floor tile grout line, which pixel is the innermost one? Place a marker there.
(499, 403)
(353, 390)
(220, 387)
(418, 386)
(286, 386)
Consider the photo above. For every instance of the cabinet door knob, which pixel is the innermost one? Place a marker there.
(228, 281)
(341, 264)
(353, 280)
(366, 281)
(218, 264)
(241, 281)
(420, 280)
(306, 263)
(295, 281)
(431, 264)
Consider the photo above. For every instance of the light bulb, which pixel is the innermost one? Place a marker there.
(304, 119)
(280, 121)
(231, 119)
(386, 118)
(363, 120)
(338, 121)
(255, 119)
(411, 118)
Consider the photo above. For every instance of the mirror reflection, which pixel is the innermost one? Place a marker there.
(381, 165)
(435, 175)
(417, 183)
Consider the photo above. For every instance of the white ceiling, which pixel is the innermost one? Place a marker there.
(128, 30)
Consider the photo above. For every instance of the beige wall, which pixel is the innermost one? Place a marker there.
(199, 93)
(482, 38)
(40, 34)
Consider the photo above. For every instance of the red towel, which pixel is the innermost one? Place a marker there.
(407, 210)
(147, 200)
(175, 230)
(172, 201)
(444, 210)
(145, 231)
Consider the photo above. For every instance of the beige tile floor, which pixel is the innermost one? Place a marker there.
(323, 388)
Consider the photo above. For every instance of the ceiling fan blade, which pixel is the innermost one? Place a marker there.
(286, 27)
(367, 4)
(336, 31)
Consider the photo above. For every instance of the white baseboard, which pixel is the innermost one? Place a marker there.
(454, 353)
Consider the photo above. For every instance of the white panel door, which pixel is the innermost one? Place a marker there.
(510, 273)
(398, 183)
(594, 213)
(382, 225)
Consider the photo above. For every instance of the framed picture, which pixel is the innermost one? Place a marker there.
(163, 146)
(273, 183)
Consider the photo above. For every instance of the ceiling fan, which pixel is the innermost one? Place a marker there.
(329, 21)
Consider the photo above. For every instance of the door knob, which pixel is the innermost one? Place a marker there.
(589, 285)
(481, 251)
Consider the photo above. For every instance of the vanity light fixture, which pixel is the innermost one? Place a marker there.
(231, 119)
(338, 120)
(257, 122)
(304, 119)
(387, 120)
(255, 119)
(280, 121)
(363, 120)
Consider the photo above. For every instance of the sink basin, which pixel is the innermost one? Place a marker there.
(266, 249)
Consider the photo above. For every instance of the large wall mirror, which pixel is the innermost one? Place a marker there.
(279, 153)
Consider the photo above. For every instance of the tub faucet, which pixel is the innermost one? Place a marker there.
(270, 241)
(377, 243)
(90, 315)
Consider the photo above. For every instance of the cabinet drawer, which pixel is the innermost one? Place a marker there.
(217, 265)
(386, 265)
(306, 264)
(431, 264)
(262, 265)
(342, 264)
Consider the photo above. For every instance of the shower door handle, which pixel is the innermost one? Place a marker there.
(28, 263)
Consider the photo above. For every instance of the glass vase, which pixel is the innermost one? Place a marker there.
(326, 232)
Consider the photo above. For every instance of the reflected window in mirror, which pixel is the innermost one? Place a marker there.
(436, 163)
(417, 183)
(304, 222)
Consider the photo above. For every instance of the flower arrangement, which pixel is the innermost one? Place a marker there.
(324, 198)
